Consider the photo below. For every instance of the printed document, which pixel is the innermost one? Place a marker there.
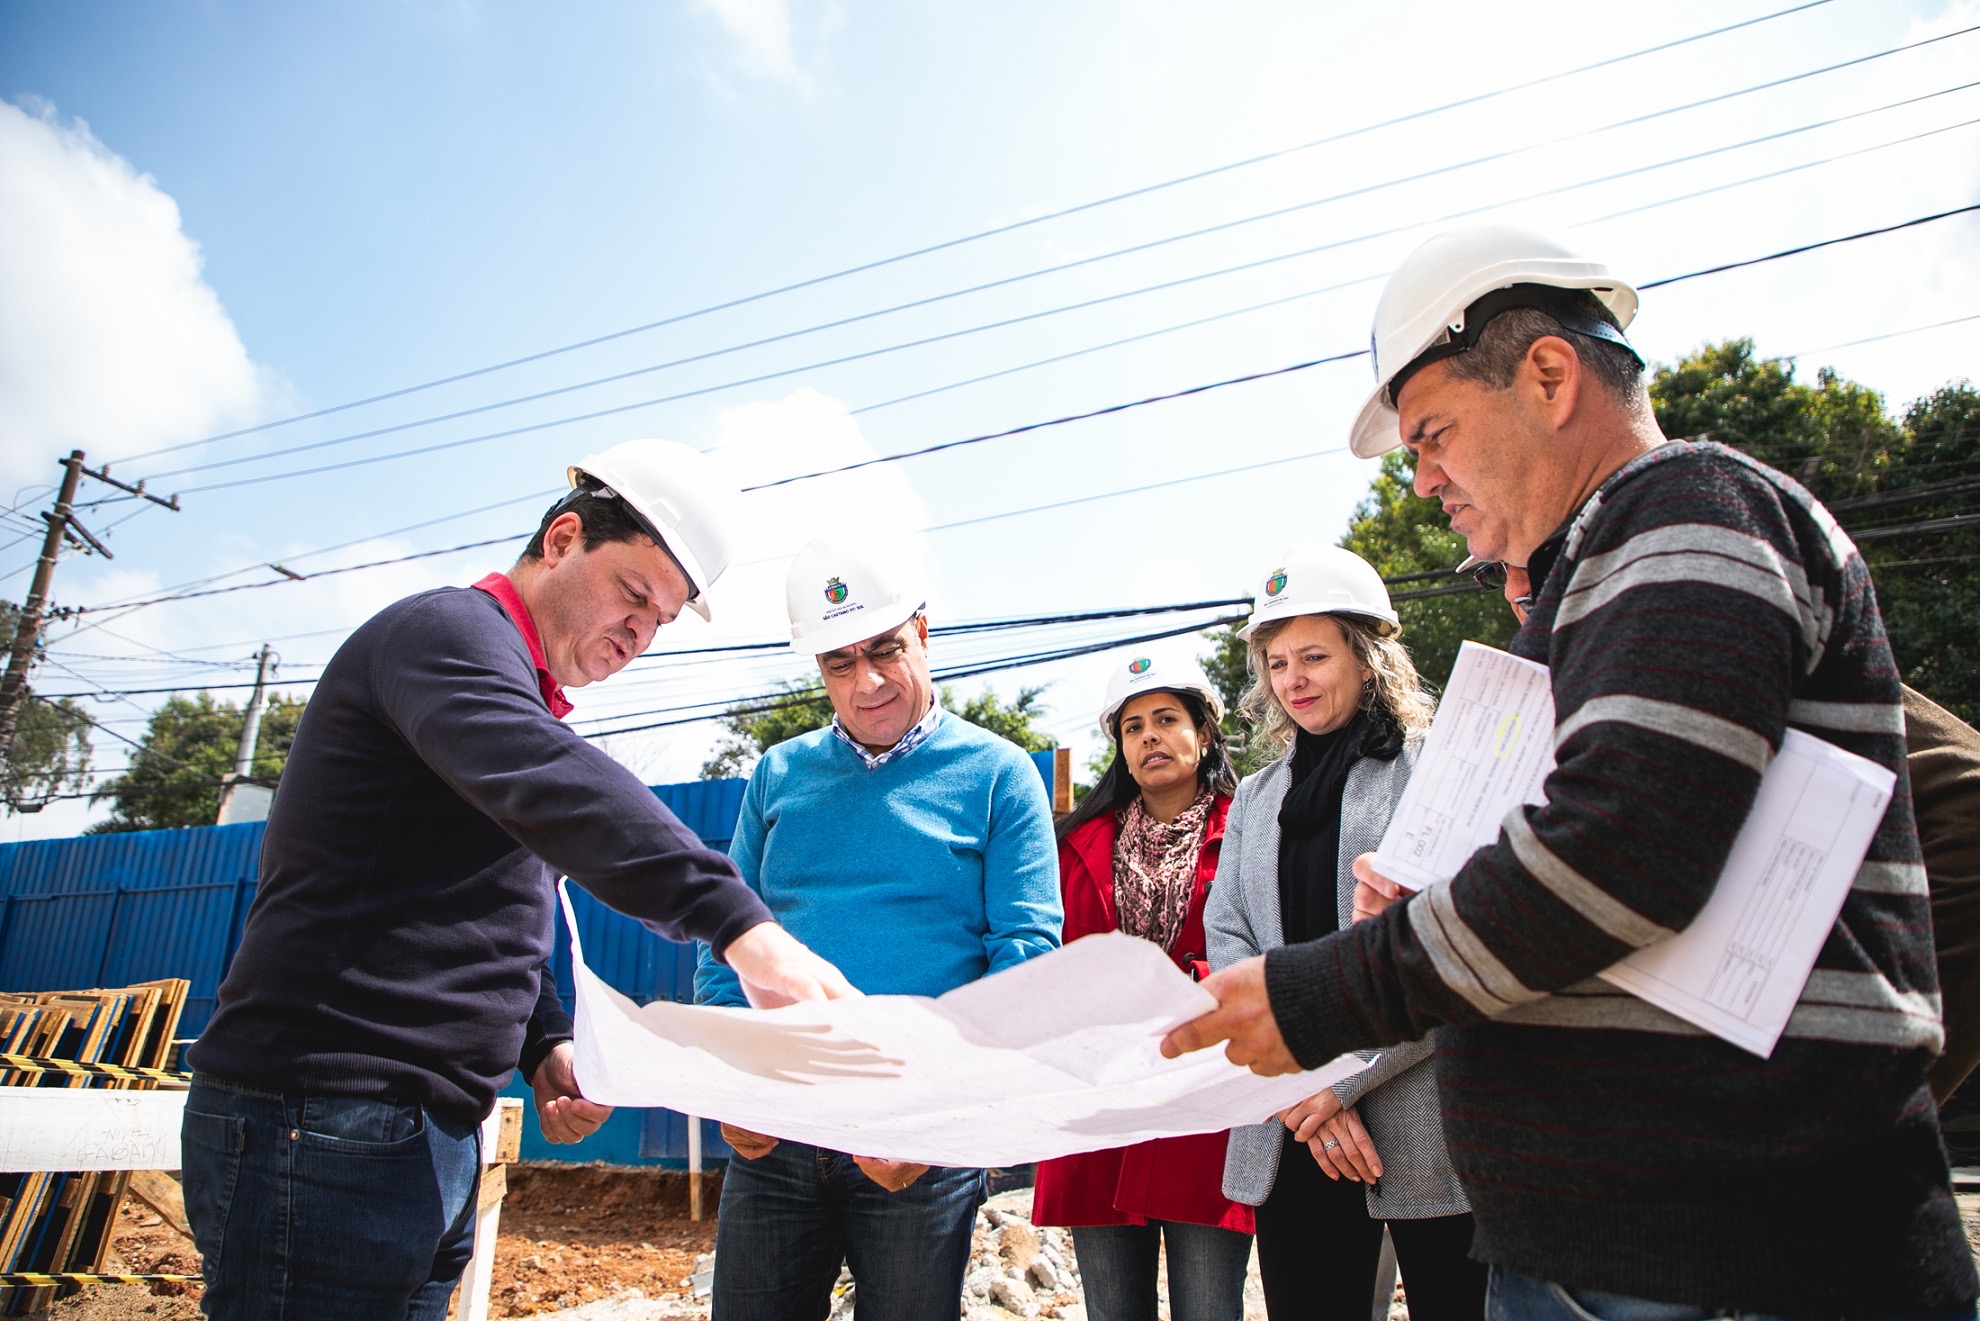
(1740, 966)
(1055, 1056)
(1738, 969)
(1489, 750)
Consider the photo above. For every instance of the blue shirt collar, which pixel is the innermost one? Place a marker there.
(911, 740)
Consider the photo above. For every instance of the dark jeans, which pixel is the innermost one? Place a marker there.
(330, 1207)
(1318, 1251)
(1117, 1267)
(790, 1219)
(1523, 1298)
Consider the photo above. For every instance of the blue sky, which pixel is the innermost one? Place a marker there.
(216, 214)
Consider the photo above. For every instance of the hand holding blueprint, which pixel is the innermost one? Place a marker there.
(1740, 966)
(1056, 1056)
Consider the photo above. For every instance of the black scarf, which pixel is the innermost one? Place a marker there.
(1310, 819)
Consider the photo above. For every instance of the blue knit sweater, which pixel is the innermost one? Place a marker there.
(915, 877)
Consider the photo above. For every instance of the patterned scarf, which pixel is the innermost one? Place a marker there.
(1155, 869)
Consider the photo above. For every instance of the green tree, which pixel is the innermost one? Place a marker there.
(1928, 584)
(801, 706)
(798, 707)
(174, 775)
(50, 752)
(1406, 536)
(1011, 720)
(1228, 665)
(1878, 474)
(1833, 436)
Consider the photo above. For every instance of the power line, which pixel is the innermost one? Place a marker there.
(1246, 379)
(1811, 247)
(1020, 319)
(1013, 226)
(1338, 357)
(841, 322)
(968, 629)
(1894, 334)
(777, 701)
(1036, 426)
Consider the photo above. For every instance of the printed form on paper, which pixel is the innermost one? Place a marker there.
(1740, 966)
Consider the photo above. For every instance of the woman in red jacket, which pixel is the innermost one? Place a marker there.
(1138, 856)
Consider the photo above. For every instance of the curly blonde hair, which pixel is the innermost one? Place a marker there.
(1395, 686)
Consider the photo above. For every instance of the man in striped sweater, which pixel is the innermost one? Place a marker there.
(1692, 606)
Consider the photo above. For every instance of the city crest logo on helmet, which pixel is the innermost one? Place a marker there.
(836, 591)
(1139, 665)
(1276, 583)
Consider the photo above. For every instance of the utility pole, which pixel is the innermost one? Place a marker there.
(62, 526)
(250, 732)
(14, 686)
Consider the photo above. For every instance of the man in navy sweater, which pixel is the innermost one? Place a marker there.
(1692, 606)
(394, 967)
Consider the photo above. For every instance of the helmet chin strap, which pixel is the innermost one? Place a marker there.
(1575, 309)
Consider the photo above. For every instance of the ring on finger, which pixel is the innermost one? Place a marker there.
(1329, 1145)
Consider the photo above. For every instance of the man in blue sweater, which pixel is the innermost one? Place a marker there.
(914, 850)
(392, 973)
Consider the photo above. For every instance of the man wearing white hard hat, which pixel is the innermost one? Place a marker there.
(1693, 605)
(393, 971)
(914, 850)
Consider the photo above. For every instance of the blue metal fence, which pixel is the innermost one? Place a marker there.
(109, 910)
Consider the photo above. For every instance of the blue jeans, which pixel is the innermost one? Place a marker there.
(791, 1218)
(307, 1207)
(1206, 1270)
(1514, 1297)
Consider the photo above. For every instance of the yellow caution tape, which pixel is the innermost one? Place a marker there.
(39, 1280)
(129, 1073)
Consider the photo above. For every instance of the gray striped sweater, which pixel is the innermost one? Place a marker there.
(1699, 605)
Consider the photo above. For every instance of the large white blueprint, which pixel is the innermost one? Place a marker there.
(1055, 1056)
(1739, 967)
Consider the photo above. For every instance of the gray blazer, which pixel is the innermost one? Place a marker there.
(1397, 1094)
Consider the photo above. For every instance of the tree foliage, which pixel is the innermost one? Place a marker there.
(174, 774)
(801, 706)
(753, 728)
(1228, 665)
(50, 752)
(1403, 534)
(1877, 473)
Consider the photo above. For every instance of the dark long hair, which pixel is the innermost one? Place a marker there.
(1117, 787)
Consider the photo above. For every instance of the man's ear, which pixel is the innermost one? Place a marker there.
(562, 537)
(921, 628)
(1553, 373)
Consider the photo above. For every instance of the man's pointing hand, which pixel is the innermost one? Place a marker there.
(777, 969)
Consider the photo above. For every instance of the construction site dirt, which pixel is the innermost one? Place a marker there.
(570, 1235)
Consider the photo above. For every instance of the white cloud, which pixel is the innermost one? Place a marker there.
(761, 30)
(112, 341)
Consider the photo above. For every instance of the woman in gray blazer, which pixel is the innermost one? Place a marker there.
(1334, 688)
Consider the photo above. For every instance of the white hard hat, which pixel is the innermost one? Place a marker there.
(838, 595)
(681, 499)
(1144, 674)
(1425, 303)
(1313, 578)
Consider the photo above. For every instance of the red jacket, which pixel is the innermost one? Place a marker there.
(1170, 1178)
